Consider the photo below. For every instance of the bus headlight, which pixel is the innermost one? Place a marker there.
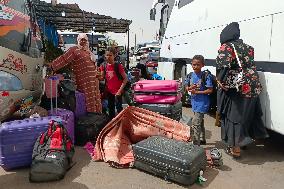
(9, 82)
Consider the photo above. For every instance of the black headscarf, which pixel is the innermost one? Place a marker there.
(230, 33)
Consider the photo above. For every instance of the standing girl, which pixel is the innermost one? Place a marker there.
(114, 85)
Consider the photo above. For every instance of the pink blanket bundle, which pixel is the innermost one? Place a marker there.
(131, 126)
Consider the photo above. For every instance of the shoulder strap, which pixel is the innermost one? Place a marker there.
(116, 69)
(204, 76)
(104, 67)
(189, 77)
(238, 60)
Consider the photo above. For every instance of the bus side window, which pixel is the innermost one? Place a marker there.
(182, 3)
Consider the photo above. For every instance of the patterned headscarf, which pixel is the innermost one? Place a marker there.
(83, 36)
(85, 47)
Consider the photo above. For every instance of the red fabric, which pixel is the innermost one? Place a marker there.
(209, 158)
(113, 83)
(56, 139)
(130, 126)
(85, 74)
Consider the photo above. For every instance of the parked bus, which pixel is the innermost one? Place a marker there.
(21, 59)
(194, 27)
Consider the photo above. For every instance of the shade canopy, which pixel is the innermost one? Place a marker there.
(71, 17)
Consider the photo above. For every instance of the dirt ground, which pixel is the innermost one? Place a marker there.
(261, 167)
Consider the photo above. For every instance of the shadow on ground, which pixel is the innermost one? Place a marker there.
(18, 179)
(259, 152)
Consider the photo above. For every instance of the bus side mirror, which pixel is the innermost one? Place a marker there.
(152, 14)
(27, 42)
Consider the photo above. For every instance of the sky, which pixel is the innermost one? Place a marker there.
(136, 10)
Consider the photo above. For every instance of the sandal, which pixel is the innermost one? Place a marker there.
(236, 151)
(233, 152)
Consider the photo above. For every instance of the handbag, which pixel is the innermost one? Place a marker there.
(234, 78)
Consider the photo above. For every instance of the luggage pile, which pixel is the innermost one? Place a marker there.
(17, 139)
(161, 96)
(46, 144)
(45, 140)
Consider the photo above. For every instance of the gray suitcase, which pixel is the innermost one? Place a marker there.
(170, 159)
(173, 111)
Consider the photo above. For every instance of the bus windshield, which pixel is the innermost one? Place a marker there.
(70, 38)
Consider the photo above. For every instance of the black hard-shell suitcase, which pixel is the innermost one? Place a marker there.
(170, 159)
(88, 128)
(175, 116)
(173, 111)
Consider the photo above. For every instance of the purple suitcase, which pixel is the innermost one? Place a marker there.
(81, 109)
(67, 116)
(17, 140)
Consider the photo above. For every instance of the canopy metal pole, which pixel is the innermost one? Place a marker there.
(128, 47)
(83, 21)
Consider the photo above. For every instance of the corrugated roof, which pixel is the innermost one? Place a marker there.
(77, 19)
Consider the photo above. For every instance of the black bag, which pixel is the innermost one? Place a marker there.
(52, 154)
(67, 99)
(173, 111)
(170, 159)
(89, 127)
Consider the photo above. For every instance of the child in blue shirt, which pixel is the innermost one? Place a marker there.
(200, 88)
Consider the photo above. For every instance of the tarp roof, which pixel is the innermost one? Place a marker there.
(77, 19)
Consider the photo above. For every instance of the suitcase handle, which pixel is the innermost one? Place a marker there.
(56, 91)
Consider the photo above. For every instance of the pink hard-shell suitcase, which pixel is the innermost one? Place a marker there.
(157, 92)
(68, 117)
(51, 84)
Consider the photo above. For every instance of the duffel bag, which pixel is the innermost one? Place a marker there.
(88, 128)
(52, 154)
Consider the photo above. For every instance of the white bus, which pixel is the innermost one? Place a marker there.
(194, 27)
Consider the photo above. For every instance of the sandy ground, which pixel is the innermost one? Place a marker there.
(261, 167)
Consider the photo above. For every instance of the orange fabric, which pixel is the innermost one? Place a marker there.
(85, 72)
(131, 126)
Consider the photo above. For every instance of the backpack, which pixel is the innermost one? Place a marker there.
(119, 76)
(52, 154)
(213, 95)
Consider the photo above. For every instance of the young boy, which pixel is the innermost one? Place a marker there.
(200, 88)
